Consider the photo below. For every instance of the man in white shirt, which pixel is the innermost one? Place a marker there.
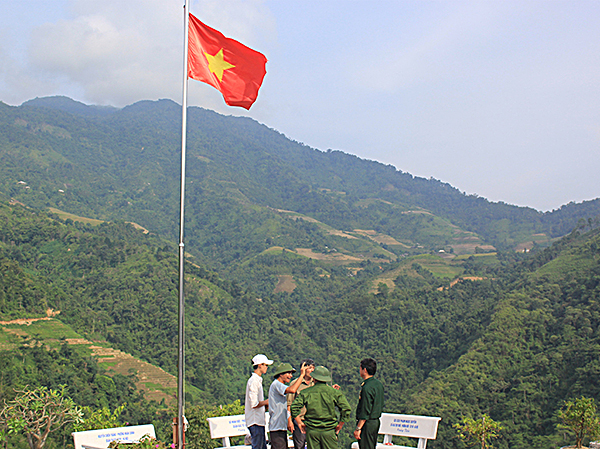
(255, 402)
(278, 424)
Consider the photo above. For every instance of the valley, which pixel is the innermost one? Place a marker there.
(471, 307)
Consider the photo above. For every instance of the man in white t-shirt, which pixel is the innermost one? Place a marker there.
(255, 403)
(278, 413)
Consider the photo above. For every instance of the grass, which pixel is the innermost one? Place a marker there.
(274, 250)
(7, 341)
(479, 256)
(52, 329)
(66, 215)
(479, 260)
(106, 365)
(158, 387)
(51, 333)
(438, 267)
(564, 265)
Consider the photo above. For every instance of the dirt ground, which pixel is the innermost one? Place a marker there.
(307, 252)
(286, 284)
(27, 321)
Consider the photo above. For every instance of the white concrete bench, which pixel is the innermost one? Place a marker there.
(226, 427)
(422, 427)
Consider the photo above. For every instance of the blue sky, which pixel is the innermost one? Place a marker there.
(498, 98)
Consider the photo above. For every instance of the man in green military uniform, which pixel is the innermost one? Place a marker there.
(370, 406)
(322, 402)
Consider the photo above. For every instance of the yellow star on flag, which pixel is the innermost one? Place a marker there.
(217, 65)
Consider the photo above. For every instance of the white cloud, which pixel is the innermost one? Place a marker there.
(119, 52)
(114, 55)
(497, 98)
(249, 21)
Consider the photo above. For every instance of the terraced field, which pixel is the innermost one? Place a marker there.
(156, 383)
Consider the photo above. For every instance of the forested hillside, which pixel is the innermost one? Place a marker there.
(540, 348)
(514, 343)
(124, 164)
(469, 306)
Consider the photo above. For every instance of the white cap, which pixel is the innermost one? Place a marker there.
(261, 358)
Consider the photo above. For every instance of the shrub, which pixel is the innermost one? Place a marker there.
(580, 418)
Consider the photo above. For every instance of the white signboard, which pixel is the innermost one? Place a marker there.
(409, 425)
(227, 426)
(100, 439)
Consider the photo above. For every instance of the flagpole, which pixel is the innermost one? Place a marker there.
(181, 336)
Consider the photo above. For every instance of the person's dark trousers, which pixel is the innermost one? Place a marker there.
(298, 437)
(259, 441)
(278, 439)
(368, 435)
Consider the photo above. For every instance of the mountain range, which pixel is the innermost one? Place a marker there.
(109, 163)
(469, 306)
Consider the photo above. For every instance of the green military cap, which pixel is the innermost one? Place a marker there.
(321, 374)
(284, 368)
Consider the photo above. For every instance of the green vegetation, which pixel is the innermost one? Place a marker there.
(49, 330)
(102, 418)
(248, 190)
(580, 418)
(280, 263)
(67, 216)
(145, 442)
(507, 344)
(481, 430)
(437, 266)
(36, 413)
(198, 435)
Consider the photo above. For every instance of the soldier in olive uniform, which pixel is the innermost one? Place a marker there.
(370, 406)
(322, 402)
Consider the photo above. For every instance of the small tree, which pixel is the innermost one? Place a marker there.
(580, 417)
(39, 412)
(481, 430)
(198, 435)
(102, 418)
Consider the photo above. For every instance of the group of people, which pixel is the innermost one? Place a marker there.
(308, 407)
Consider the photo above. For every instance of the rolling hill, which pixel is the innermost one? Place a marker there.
(469, 306)
(248, 187)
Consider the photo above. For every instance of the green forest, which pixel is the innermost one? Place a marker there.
(470, 307)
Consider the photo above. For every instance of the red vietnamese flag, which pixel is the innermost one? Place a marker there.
(229, 66)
